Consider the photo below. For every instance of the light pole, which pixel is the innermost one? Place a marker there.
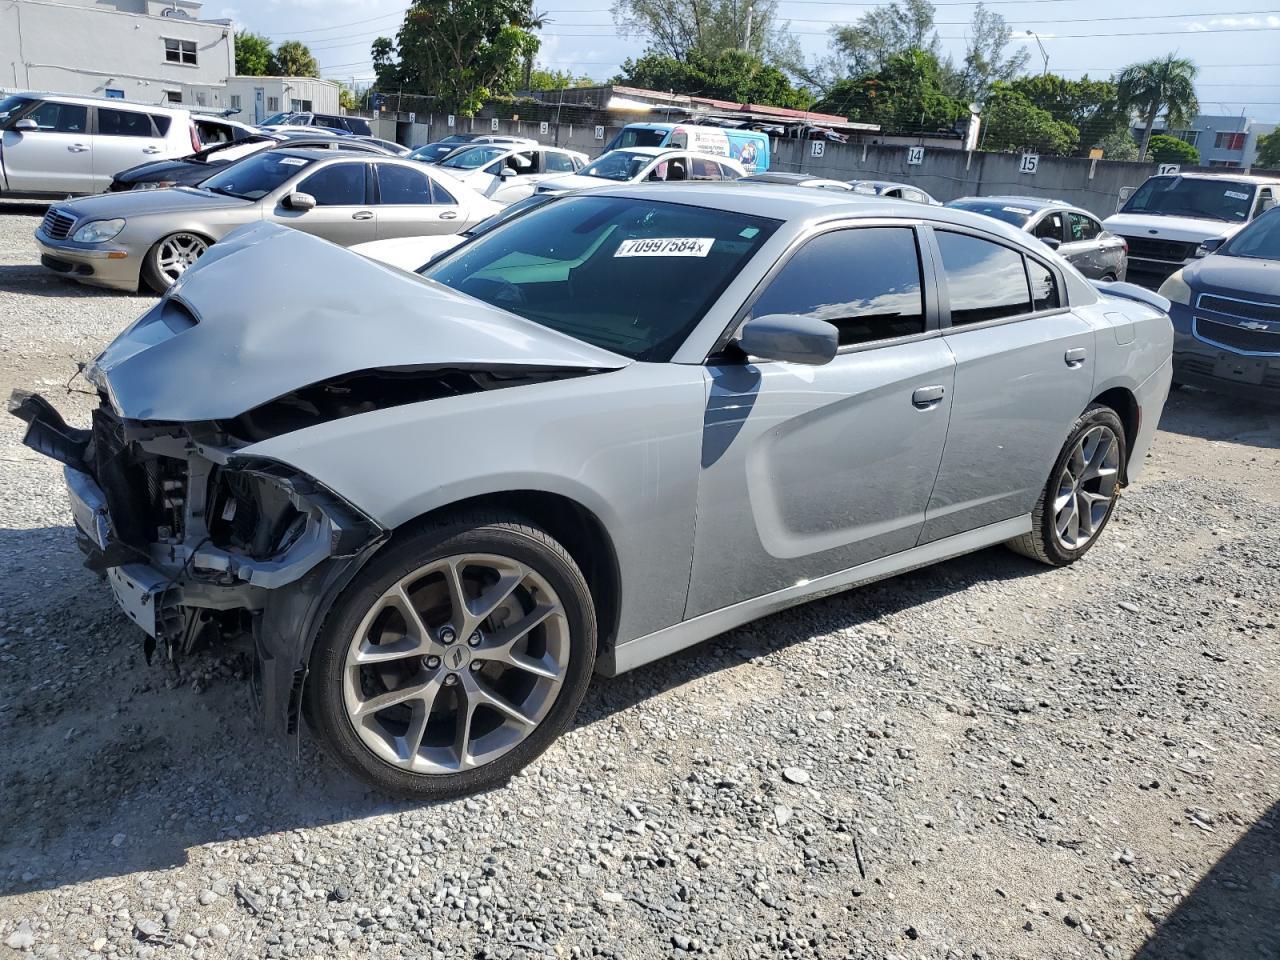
(1043, 52)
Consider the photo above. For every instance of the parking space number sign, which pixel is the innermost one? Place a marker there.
(452, 120)
(1030, 163)
(1168, 169)
(493, 124)
(915, 155)
(819, 149)
(599, 133)
(544, 127)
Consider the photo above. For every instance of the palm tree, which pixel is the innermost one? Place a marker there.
(1166, 84)
(535, 21)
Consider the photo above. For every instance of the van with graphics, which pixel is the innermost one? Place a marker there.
(748, 147)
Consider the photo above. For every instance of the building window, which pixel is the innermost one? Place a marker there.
(300, 106)
(273, 104)
(1187, 136)
(112, 93)
(1233, 164)
(1229, 141)
(172, 96)
(180, 51)
(235, 101)
(200, 100)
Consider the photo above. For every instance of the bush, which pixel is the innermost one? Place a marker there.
(1165, 149)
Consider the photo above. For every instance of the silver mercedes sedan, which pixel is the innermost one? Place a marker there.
(121, 240)
(601, 432)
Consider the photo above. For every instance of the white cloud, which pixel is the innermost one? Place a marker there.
(1268, 22)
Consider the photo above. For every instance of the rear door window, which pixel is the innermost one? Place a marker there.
(1050, 227)
(558, 162)
(703, 169)
(985, 280)
(402, 185)
(878, 300)
(1083, 227)
(56, 117)
(123, 123)
(1044, 286)
(340, 185)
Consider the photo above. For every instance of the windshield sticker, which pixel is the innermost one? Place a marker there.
(665, 247)
(293, 162)
(1236, 196)
(1022, 210)
(749, 233)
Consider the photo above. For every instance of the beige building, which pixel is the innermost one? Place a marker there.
(259, 97)
(141, 50)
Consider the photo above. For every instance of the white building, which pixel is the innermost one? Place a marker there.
(258, 97)
(141, 50)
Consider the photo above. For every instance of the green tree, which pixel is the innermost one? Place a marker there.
(1165, 149)
(1118, 144)
(293, 59)
(462, 52)
(707, 27)
(1269, 151)
(541, 78)
(1091, 106)
(1166, 85)
(986, 61)
(253, 54)
(883, 33)
(904, 97)
(1011, 122)
(729, 75)
(348, 98)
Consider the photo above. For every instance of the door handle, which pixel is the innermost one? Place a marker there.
(1075, 356)
(926, 398)
(77, 148)
(150, 149)
(362, 215)
(449, 215)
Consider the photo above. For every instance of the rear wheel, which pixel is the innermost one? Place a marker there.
(171, 257)
(454, 659)
(1081, 493)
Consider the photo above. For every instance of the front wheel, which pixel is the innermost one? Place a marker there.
(171, 257)
(454, 659)
(1081, 493)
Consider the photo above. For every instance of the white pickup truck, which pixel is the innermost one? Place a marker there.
(53, 145)
(1167, 219)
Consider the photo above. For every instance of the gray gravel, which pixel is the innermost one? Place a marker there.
(984, 759)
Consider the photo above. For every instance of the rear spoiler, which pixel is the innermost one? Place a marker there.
(1131, 291)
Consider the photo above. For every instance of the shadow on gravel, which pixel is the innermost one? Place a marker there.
(1214, 416)
(110, 767)
(24, 208)
(1234, 912)
(33, 279)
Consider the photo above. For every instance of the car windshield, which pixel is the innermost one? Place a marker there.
(1004, 210)
(1228, 200)
(509, 213)
(277, 118)
(475, 157)
(1258, 241)
(11, 105)
(630, 275)
(620, 165)
(256, 176)
(432, 152)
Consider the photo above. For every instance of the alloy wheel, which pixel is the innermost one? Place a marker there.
(178, 253)
(456, 663)
(1086, 487)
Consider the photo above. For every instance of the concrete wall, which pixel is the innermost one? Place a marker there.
(88, 50)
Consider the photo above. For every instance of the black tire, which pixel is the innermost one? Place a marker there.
(490, 533)
(152, 274)
(1042, 542)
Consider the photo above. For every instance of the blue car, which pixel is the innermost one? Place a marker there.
(1226, 313)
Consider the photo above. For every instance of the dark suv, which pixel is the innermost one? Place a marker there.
(357, 125)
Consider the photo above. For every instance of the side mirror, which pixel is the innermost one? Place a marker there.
(1053, 243)
(1209, 246)
(507, 173)
(788, 337)
(26, 123)
(300, 202)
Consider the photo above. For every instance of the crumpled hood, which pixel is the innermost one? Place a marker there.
(1185, 229)
(1236, 276)
(141, 203)
(269, 310)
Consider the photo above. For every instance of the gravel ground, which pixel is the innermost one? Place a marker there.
(985, 759)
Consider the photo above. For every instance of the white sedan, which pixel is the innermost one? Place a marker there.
(638, 164)
(506, 172)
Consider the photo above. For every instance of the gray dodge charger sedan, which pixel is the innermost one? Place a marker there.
(121, 240)
(604, 431)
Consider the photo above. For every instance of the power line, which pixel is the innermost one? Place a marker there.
(290, 34)
(1017, 22)
(1047, 36)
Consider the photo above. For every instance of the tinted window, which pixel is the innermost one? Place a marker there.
(728, 173)
(1044, 286)
(162, 122)
(1260, 240)
(254, 177)
(985, 280)
(341, 185)
(1228, 200)
(60, 117)
(400, 185)
(703, 169)
(123, 123)
(1050, 227)
(1008, 212)
(630, 275)
(865, 281)
(440, 195)
(1083, 228)
(559, 163)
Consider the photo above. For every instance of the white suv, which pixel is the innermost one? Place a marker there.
(55, 145)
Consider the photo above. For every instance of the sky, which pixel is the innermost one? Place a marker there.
(1235, 43)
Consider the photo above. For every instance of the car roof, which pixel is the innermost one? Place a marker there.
(1033, 203)
(785, 176)
(1196, 175)
(110, 101)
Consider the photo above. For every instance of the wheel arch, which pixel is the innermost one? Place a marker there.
(1125, 405)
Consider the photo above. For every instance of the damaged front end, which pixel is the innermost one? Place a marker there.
(200, 541)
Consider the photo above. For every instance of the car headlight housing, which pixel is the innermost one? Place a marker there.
(99, 231)
(1175, 289)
